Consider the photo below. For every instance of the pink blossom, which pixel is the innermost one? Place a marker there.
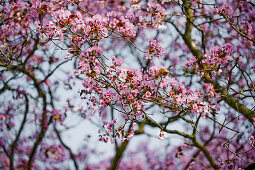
(162, 134)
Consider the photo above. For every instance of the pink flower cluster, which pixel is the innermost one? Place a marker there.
(62, 15)
(94, 27)
(119, 132)
(252, 139)
(157, 13)
(209, 88)
(154, 50)
(131, 89)
(50, 29)
(192, 60)
(220, 55)
(16, 18)
(214, 62)
(225, 10)
(122, 24)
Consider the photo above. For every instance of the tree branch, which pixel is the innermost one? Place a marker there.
(68, 148)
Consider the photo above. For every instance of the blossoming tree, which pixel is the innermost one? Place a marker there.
(183, 67)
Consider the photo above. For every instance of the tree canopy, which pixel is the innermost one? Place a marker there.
(179, 73)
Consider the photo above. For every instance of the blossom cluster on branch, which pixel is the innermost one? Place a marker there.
(152, 68)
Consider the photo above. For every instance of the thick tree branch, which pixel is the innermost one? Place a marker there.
(119, 152)
(192, 138)
(44, 121)
(14, 143)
